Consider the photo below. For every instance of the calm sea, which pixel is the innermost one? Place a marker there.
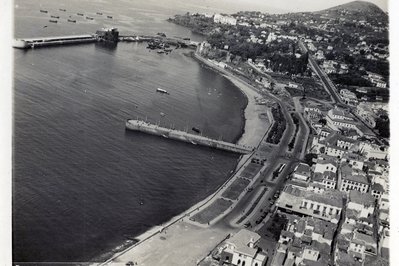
(82, 185)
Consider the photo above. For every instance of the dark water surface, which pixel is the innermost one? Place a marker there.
(78, 177)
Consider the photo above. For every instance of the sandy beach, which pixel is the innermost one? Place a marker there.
(180, 241)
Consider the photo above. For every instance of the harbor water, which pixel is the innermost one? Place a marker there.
(82, 185)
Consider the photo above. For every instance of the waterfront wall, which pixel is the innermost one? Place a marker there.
(156, 130)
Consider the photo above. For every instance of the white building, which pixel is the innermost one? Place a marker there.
(219, 18)
(241, 250)
(302, 172)
(325, 164)
(348, 97)
(357, 182)
(366, 114)
(325, 205)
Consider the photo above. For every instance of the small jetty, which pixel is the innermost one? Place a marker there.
(142, 126)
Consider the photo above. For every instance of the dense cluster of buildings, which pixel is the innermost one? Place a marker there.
(337, 207)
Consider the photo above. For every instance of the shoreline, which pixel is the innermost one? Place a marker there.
(248, 136)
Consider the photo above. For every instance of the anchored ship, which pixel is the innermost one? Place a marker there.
(162, 91)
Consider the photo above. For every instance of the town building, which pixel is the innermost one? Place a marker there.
(353, 181)
(326, 205)
(305, 241)
(348, 97)
(224, 19)
(241, 250)
(302, 172)
(366, 114)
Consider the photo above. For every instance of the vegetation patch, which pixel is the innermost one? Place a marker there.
(251, 170)
(212, 211)
(278, 127)
(296, 122)
(235, 189)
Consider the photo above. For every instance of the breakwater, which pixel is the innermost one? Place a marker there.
(142, 126)
(53, 41)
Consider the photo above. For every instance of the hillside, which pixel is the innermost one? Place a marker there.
(358, 7)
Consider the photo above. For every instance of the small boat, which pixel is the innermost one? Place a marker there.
(162, 91)
(55, 16)
(162, 114)
(43, 11)
(196, 130)
(192, 142)
(109, 16)
(89, 18)
(99, 13)
(160, 51)
(163, 135)
(168, 49)
(72, 20)
(61, 9)
(53, 21)
(80, 14)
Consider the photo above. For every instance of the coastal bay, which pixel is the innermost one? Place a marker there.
(160, 243)
(79, 178)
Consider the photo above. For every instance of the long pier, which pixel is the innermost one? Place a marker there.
(141, 126)
(53, 41)
(109, 35)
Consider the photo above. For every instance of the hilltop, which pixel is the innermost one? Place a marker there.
(362, 7)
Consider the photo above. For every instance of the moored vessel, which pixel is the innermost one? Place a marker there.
(195, 129)
(162, 91)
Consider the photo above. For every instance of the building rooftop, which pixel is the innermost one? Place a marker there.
(328, 197)
(352, 214)
(364, 199)
(363, 239)
(347, 260)
(241, 240)
(291, 199)
(327, 175)
(356, 178)
(327, 160)
(303, 169)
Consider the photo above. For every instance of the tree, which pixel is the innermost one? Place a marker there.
(309, 158)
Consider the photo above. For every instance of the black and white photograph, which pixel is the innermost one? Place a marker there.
(198, 132)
